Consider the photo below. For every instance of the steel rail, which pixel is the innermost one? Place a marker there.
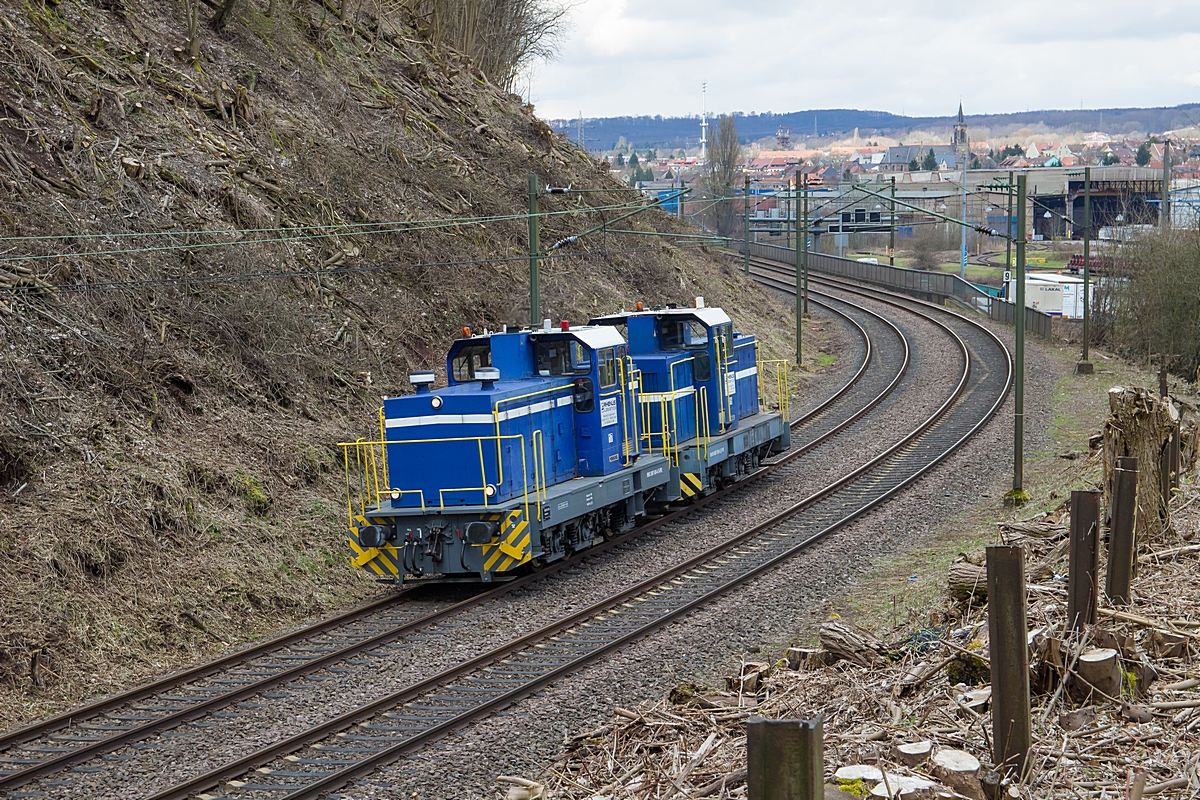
(613, 605)
(182, 715)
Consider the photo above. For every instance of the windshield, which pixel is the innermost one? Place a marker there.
(682, 334)
(469, 359)
(562, 357)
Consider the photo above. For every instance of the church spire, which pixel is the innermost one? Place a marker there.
(960, 142)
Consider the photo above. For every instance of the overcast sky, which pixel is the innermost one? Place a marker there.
(918, 58)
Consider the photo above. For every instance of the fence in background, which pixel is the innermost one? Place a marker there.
(935, 286)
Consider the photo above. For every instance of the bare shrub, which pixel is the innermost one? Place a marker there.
(926, 244)
(1152, 303)
(502, 36)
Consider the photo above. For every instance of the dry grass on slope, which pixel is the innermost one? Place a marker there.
(169, 483)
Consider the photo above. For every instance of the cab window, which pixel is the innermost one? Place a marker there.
(682, 334)
(469, 359)
(562, 357)
(608, 368)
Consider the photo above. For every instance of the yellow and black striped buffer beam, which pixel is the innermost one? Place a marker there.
(380, 560)
(512, 548)
(690, 484)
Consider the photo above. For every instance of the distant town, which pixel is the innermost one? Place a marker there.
(849, 180)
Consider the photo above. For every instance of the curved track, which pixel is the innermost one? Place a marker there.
(328, 756)
(59, 742)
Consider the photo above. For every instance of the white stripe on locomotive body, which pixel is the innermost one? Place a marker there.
(441, 419)
(746, 373)
(477, 419)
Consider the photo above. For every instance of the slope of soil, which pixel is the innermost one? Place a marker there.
(220, 268)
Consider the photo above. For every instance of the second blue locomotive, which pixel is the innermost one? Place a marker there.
(547, 440)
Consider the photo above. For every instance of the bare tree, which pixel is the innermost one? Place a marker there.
(221, 18)
(501, 36)
(191, 9)
(724, 164)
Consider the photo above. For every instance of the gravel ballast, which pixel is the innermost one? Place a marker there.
(159, 762)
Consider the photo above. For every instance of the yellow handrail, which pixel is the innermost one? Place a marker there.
(367, 472)
(782, 385)
(382, 436)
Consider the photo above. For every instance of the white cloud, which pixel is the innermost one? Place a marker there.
(650, 56)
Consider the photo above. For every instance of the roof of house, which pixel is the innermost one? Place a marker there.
(905, 153)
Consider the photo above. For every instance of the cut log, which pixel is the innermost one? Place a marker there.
(967, 582)
(521, 788)
(1078, 719)
(1097, 676)
(992, 783)
(858, 772)
(1136, 713)
(1144, 674)
(807, 658)
(913, 754)
(1140, 424)
(1168, 645)
(977, 699)
(903, 787)
(959, 770)
(853, 644)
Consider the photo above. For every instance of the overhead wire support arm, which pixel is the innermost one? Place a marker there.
(984, 229)
(606, 226)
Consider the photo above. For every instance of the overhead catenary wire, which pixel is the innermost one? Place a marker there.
(399, 225)
(452, 222)
(188, 280)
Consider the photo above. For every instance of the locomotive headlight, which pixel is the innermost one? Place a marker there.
(395, 494)
(435, 401)
(489, 490)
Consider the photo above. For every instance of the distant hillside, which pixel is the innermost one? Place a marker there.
(676, 132)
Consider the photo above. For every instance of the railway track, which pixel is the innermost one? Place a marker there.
(60, 742)
(331, 755)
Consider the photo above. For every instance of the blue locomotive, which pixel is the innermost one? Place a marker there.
(548, 440)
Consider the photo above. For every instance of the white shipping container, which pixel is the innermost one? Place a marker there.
(1053, 294)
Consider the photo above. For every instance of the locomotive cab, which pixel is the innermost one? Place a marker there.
(698, 395)
(529, 453)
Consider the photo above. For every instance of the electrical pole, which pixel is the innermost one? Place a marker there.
(1018, 492)
(746, 232)
(787, 216)
(1165, 206)
(962, 265)
(1008, 226)
(804, 251)
(534, 248)
(799, 295)
(1084, 367)
(892, 227)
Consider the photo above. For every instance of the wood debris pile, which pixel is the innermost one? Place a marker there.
(1116, 708)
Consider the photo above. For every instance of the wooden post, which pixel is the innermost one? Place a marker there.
(1084, 571)
(1009, 655)
(1121, 548)
(784, 759)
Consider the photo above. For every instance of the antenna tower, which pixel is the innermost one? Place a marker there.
(704, 120)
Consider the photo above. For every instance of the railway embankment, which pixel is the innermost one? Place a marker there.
(897, 663)
(212, 269)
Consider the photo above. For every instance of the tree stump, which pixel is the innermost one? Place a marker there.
(959, 770)
(853, 644)
(1140, 425)
(1096, 671)
(914, 754)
